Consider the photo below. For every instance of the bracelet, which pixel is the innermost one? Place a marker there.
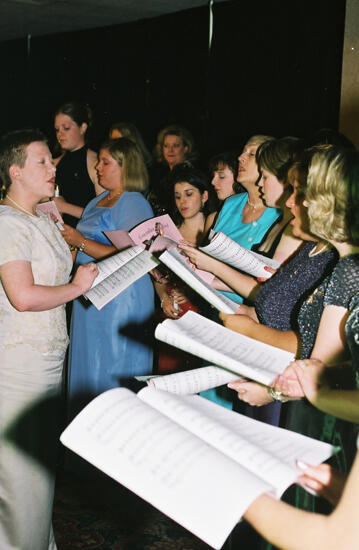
(278, 396)
(81, 248)
(73, 248)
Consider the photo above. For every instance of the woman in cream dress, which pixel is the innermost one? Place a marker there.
(35, 265)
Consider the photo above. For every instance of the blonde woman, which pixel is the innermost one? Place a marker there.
(110, 346)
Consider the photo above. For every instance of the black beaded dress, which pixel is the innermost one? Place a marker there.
(352, 335)
(74, 181)
(278, 302)
(302, 417)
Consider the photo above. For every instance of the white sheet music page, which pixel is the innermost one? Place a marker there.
(267, 451)
(224, 347)
(117, 275)
(194, 380)
(178, 264)
(162, 462)
(225, 249)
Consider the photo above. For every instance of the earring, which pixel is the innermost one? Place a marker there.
(2, 192)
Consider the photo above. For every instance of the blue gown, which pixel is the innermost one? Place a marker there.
(110, 346)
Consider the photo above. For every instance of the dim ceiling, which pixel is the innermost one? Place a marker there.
(21, 18)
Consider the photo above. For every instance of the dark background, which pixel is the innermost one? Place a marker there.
(274, 68)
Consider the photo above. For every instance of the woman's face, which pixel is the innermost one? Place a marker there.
(247, 168)
(222, 181)
(300, 221)
(272, 189)
(109, 171)
(69, 135)
(188, 199)
(37, 176)
(173, 150)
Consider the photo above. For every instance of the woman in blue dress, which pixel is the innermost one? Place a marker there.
(111, 346)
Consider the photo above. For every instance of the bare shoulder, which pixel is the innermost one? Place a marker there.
(57, 159)
(91, 157)
(287, 246)
(91, 168)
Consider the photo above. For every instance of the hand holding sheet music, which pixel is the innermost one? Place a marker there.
(117, 272)
(228, 251)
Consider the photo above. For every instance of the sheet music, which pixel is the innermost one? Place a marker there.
(267, 451)
(127, 272)
(224, 347)
(193, 381)
(178, 264)
(225, 249)
(164, 463)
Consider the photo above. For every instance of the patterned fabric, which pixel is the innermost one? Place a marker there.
(279, 299)
(35, 240)
(339, 290)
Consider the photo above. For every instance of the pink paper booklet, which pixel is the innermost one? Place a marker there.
(50, 209)
(155, 235)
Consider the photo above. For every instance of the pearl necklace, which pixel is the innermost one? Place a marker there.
(20, 207)
(110, 198)
(254, 206)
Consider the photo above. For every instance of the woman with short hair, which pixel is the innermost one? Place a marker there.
(35, 265)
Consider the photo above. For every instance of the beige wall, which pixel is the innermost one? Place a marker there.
(349, 104)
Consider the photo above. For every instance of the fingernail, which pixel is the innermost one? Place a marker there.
(302, 465)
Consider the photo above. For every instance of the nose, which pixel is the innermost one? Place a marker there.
(290, 201)
(242, 157)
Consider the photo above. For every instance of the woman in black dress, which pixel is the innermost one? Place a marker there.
(76, 176)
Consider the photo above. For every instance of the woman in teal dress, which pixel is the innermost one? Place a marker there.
(111, 346)
(244, 217)
(247, 220)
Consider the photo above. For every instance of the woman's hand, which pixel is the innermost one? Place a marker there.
(322, 479)
(178, 296)
(271, 272)
(309, 373)
(158, 277)
(198, 258)
(300, 379)
(251, 392)
(72, 236)
(85, 276)
(170, 307)
(238, 322)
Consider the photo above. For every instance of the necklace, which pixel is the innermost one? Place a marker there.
(314, 250)
(116, 195)
(253, 205)
(19, 206)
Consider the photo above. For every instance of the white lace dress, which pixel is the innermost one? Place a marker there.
(32, 349)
